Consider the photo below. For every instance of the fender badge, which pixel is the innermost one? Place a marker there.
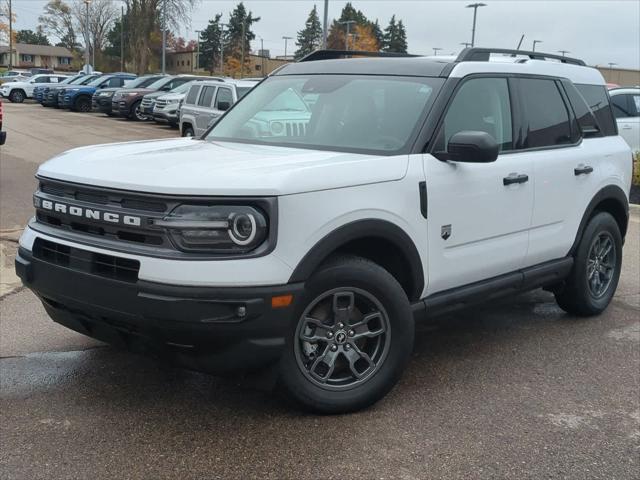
(445, 231)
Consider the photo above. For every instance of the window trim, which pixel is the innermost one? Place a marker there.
(215, 97)
(452, 96)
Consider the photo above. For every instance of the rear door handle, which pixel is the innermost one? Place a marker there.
(627, 127)
(582, 170)
(515, 178)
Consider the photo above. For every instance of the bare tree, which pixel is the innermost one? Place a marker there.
(147, 17)
(102, 14)
(58, 21)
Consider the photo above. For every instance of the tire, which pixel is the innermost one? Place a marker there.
(187, 131)
(366, 291)
(17, 96)
(82, 104)
(592, 282)
(135, 114)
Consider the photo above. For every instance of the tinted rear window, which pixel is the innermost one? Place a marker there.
(192, 95)
(546, 118)
(598, 100)
(585, 118)
(206, 96)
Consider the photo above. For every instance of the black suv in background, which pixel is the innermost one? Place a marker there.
(102, 99)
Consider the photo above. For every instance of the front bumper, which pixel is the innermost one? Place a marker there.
(65, 100)
(166, 116)
(202, 328)
(101, 104)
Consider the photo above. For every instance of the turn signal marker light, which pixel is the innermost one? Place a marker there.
(281, 301)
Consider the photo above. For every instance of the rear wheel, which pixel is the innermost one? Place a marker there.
(351, 340)
(82, 104)
(136, 113)
(17, 96)
(596, 270)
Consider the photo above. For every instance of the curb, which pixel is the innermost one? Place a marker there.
(633, 206)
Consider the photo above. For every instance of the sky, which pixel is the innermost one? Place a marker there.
(597, 31)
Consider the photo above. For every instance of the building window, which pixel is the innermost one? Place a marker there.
(64, 61)
(188, 63)
(258, 67)
(26, 58)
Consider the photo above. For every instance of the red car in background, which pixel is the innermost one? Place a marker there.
(3, 135)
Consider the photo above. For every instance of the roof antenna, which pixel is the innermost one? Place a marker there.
(520, 43)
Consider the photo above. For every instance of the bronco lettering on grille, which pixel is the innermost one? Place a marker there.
(89, 213)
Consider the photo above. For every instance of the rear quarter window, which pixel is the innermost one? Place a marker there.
(597, 98)
(192, 95)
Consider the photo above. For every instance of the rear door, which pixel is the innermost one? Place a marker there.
(204, 109)
(626, 109)
(222, 103)
(478, 217)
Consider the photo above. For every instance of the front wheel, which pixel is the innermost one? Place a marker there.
(82, 104)
(17, 96)
(136, 112)
(187, 131)
(596, 269)
(351, 339)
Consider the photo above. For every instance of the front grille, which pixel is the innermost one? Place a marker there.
(161, 103)
(146, 103)
(108, 266)
(296, 129)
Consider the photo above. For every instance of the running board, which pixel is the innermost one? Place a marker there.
(530, 278)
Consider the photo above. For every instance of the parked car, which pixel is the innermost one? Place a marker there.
(102, 99)
(418, 186)
(50, 93)
(206, 101)
(166, 106)
(17, 92)
(79, 97)
(626, 108)
(3, 135)
(41, 90)
(37, 71)
(14, 76)
(129, 102)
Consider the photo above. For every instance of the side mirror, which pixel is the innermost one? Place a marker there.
(224, 106)
(470, 146)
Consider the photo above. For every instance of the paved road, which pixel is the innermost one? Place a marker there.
(514, 390)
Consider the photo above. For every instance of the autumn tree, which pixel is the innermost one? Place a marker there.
(237, 39)
(4, 22)
(338, 30)
(309, 38)
(363, 39)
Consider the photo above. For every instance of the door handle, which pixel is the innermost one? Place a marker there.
(627, 127)
(582, 170)
(515, 178)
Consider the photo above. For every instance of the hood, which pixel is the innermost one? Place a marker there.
(17, 84)
(186, 166)
(137, 91)
(171, 96)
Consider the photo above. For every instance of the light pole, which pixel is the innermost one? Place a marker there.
(535, 42)
(122, 39)
(564, 52)
(348, 23)
(164, 35)
(324, 25)
(222, 25)
(466, 44)
(435, 51)
(475, 7)
(262, 55)
(86, 37)
(11, 36)
(198, 32)
(286, 39)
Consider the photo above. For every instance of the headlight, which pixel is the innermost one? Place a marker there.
(277, 128)
(73, 90)
(172, 101)
(130, 94)
(215, 228)
(105, 94)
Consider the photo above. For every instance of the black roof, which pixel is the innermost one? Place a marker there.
(399, 66)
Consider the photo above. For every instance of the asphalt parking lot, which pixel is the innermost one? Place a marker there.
(516, 389)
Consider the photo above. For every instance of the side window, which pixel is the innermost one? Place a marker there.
(598, 101)
(224, 99)
(206, 96)
(546, 119)
(42, 80)
(177, 82)
(636, 104)
(585, 118)
(622, 106)
(481, 104)
(192, 95)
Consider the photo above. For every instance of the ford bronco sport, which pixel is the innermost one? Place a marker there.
(415, 186)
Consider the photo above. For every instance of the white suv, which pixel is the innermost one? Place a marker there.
(626, 109)
(17, 92)
(414, 187)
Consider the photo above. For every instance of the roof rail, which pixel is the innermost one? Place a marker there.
(476, 54)
(335, 54)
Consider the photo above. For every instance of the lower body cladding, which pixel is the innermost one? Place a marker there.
(212, 329)
(170, 117)
(102, 106)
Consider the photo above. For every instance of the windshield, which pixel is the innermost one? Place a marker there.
(97, 81)
(158, 84)
(184, 88)
(242, 91)
(142, 82)
(353, 113)
(69, 80)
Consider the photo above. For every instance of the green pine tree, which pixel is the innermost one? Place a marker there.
(210, 43)
(233, 41)
(395, 37)
(310, 38)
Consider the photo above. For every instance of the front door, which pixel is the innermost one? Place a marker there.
(478, 213)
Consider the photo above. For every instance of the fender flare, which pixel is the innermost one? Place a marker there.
(357, 230)
(610, 192)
